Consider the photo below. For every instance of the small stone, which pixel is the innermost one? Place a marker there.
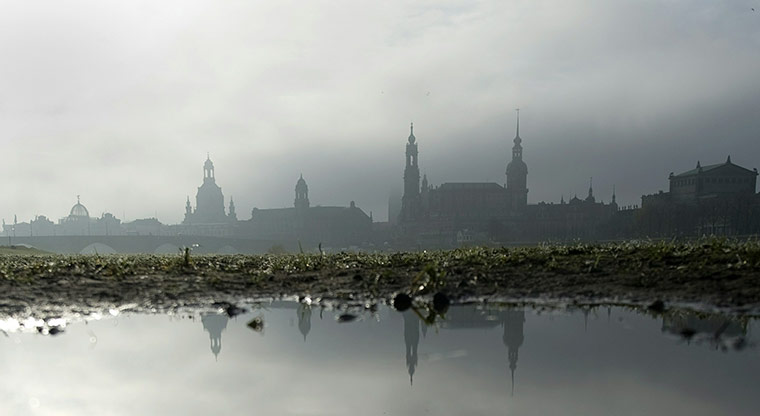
(402, 302)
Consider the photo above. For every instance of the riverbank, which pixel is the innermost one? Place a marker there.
(711, 273)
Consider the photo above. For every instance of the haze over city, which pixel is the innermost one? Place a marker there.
(120, 103)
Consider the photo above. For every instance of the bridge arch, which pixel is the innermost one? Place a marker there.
(98, 248)
(166, 248)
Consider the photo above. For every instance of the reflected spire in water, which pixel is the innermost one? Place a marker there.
(411, 339)
(304, 319)
(513, 338)
(215, 323)
(586, 311)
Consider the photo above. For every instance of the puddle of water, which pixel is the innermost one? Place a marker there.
(291, 359)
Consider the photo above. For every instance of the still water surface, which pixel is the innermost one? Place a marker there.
(304, 361)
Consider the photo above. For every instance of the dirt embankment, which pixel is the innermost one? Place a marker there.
(713, 273)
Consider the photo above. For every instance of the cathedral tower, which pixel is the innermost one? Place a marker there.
(209, 201)
(411, 202)
(302, 194)
(517, 175)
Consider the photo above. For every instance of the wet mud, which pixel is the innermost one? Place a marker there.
(714, 274)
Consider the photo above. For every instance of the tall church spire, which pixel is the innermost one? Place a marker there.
(302, 194)
(232, 214)
(517, 173)
(590, 197)
(411, 202)
(517, 136)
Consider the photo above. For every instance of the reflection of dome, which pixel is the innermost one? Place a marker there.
(79, 210)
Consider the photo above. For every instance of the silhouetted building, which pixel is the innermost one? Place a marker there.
(331, 226)
(214, 324)
(208, 217)
(712, 181)
(78, 222)
(146, 226)
(483, 213)
(411, 201)
(579, 219)
(42, 226)
(717, 199)
(517, 175)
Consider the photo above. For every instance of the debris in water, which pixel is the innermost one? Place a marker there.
(230, 309)
(257, 324)
(346, 317)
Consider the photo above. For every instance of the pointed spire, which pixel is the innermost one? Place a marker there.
(729, 159)
(518, 122)
(698, 165)
(517, 140)
(613, 194)
(411, 133)
(512, 370)
(562, 199)
(591, 187)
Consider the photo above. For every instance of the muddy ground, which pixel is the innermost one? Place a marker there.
(705, 274)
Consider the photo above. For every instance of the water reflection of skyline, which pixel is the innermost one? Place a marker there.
(214, 324)
(456, 318)
(462, 366)
(512, 321)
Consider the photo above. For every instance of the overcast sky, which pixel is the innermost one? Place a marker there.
(120, 101)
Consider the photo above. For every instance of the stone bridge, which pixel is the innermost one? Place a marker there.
(103, 244)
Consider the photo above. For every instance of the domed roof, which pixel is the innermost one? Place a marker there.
(517, 166)
(79, 210)
(412, 139)
(301, 184)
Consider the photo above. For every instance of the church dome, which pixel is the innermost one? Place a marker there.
(301, 184)
(79, 210)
